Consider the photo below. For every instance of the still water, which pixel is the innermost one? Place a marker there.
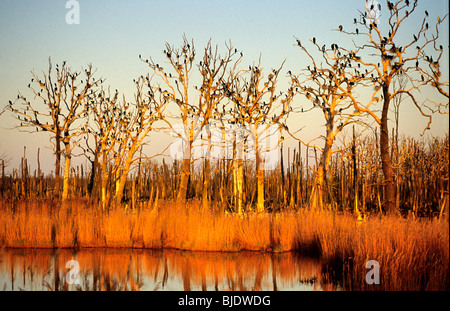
(155, 270)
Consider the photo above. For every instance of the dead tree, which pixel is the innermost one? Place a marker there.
(258, 105)
(194, 105)
(135, 125)
(326, 83)
(58, 104)
(432, 74)
(119, 129)
(104, 137)
(382, 59)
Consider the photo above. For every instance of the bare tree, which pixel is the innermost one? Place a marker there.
(385, 59)
(327, 83)
(136, 124)
(106, 132)
(59, 102)
(194, 105)
(432, 74)
(258, 106)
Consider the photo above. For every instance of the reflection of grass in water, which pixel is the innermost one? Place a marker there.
(400, 245)
(108, 270)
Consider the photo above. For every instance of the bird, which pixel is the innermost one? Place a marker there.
(340, 27)
(354, 21)
(390, 6)
(407, 2)
(314, 40)
(357, 31)
(426, 13)
(415, 37)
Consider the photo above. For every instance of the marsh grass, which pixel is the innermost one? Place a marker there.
(413, 253)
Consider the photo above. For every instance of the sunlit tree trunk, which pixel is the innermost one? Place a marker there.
(57, 162)
(67, 160)
(184, 174)
(207, 171)
(386, 161)
(260, 177)
(317, 194)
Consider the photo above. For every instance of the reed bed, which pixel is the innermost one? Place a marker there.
(413, 253)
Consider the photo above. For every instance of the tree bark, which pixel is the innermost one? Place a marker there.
(386, 163)
(67, 160)
(319, 181)
(123, 177)
(58, 161)
(260, 178)
(184, 180)
(207, 172)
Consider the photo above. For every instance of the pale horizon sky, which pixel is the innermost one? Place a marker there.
(112, 34)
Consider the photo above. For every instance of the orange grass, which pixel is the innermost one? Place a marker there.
(413, 253)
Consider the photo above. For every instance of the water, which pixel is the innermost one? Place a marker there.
(157, 270)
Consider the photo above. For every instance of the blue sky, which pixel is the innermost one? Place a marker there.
(112, 34)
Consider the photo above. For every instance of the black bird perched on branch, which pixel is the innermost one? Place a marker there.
(340, 27)
(390, 6)
(426, 13)
(314, 40)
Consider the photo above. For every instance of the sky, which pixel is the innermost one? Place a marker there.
(111, 34)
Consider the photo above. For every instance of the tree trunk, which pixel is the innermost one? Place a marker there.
(184, 180)
(67, 160)
(386, 163)
(319, 181)
(94, 165)
(207, 172)
(239, 184)
(260, 178)
(317, 191)
(58, 161)
(123, 179)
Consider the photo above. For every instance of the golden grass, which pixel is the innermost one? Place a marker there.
(413, 253)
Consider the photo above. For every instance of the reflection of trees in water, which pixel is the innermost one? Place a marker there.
(126, 269)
